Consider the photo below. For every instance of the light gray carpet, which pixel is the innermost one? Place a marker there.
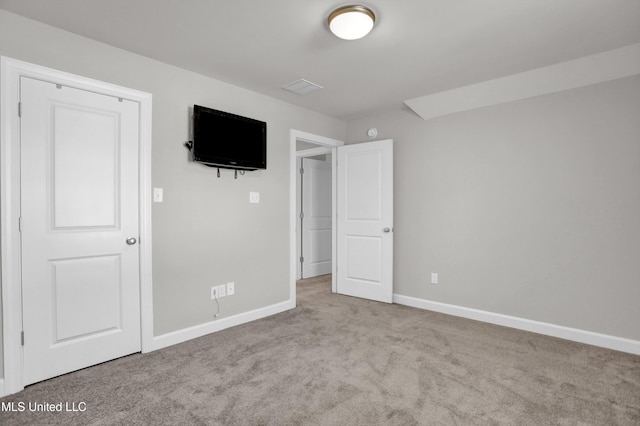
(337, 360)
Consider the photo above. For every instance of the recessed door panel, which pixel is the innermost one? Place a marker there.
(320, 247)
(363, 181)
(320, 182)
(364, 258)
(84, 169)
(86, 294)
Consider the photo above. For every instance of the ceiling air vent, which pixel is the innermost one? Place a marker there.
(302, 87)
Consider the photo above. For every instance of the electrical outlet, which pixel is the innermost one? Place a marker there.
(214, 292)
(231, 288)
(434, 278)
(222, 290)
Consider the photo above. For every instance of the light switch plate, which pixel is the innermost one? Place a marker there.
(158, 195)
(254, 197)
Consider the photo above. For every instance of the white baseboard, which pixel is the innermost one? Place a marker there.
(574, 334)
(183, 335)
(2, 389)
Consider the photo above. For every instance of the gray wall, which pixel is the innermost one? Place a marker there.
(205, 232)
(529, 209)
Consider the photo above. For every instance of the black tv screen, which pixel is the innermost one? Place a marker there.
(222, 139)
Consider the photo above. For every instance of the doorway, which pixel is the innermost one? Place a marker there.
(306, 145)
(362, 191)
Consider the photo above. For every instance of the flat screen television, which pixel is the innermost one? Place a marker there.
(225, 140)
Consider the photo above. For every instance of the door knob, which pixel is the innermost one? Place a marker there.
(386, 230)
(131, 241)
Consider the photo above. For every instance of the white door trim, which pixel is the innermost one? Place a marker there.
(332, 144)
(10, 72)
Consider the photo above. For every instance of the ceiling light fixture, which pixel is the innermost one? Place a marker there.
(351, 22)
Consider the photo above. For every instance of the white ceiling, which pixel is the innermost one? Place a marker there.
(418, 47)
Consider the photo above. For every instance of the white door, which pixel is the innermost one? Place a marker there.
(365, 220)
(79, 205)
(316, 217)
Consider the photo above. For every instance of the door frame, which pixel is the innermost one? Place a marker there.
(325, 145)
(10, 72)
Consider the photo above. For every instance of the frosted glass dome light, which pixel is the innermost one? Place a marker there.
(351, 22)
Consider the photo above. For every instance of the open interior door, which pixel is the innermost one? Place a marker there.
(316, 220)
(365, 220)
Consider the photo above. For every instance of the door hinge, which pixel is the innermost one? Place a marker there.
(19, 109)
(301, 171)
(301, 259)
(301, 215)
(20, 224)
(22, 338)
